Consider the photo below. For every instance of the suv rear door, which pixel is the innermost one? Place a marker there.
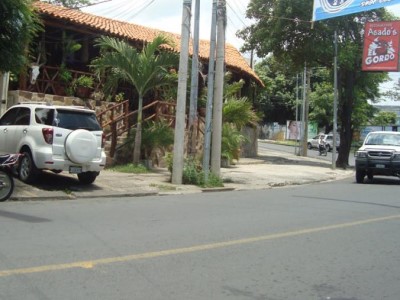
(13, 125)
(66, 121)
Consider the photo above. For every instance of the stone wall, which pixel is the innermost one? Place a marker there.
(18, 96)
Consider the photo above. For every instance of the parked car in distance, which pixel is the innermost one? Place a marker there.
(56, 138)
(378, 155)
(328, 138)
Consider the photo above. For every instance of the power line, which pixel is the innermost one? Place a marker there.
(236, 14)
(239, 5)
(145, 7)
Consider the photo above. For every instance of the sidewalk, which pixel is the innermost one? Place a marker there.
(266, 171)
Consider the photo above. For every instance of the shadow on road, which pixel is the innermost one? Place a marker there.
(49, 181)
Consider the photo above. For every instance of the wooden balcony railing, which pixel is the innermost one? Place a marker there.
(117, 119)
(49, 81)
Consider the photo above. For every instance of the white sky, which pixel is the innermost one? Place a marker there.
(167, 15)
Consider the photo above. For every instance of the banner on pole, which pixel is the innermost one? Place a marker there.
(381, 46)
(325, 9)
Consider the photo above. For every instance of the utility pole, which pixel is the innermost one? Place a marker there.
(296, 152)
(219, 89)
(335, 101)
(4, 80)
(179, 137)
(305, 113)
(210, 93)
(194, 87)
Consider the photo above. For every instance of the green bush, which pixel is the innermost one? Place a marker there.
(231, 142)
(194, 174)
(156, 135)
(83, 81)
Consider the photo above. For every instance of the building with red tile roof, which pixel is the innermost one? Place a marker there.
(93, 26)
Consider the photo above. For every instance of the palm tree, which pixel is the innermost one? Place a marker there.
(145, 70)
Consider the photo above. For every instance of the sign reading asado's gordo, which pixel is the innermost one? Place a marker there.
(381, 46)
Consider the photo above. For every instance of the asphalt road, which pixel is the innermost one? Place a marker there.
(337, 240)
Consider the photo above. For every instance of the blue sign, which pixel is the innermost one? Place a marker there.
(325, 9)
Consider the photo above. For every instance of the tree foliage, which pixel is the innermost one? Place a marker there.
(393, 93)
(384, 118)
(277, 100)
(281, 27)
(19, 24)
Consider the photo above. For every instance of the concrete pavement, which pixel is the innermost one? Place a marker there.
(270, 169)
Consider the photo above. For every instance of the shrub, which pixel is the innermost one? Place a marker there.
(194, 174)
(231, 142)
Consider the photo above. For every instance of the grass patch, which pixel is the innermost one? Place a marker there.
(68, 191)
(163, 187)
(285, 142)
(130, 168)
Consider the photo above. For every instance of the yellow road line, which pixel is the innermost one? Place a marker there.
(92, 263)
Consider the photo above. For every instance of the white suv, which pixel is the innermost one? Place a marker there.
(328, 139)
(57, 138)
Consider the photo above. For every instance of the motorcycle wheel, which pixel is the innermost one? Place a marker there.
(6, 186)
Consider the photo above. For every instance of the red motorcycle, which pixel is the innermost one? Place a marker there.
(8, 162)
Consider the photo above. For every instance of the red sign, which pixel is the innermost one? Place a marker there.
(381, 46)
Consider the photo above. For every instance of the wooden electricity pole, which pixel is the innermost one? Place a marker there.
(194, 86)
(210, 93)
(179, 137)
(219, 89)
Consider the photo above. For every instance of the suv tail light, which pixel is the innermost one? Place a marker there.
(48, 135)
(103, 140)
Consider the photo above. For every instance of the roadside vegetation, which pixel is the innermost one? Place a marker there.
(19, 25)
(130, 168)
(286, 22)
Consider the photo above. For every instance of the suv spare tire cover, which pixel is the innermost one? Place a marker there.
(80, 146)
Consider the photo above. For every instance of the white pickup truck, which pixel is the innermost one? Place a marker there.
(379, 155)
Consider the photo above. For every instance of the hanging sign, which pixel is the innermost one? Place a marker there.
(325, 9)
(381, 46)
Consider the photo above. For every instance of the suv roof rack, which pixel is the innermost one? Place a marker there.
(35, 102)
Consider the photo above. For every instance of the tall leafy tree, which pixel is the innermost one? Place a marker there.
(145, 70)
(277, 100)
(19, 24)
(281, 27)
(384, 118)
(393, 93)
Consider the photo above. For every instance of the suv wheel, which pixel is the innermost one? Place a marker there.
(360, 176)
(87, 177)
(309, 146)
(27, 169)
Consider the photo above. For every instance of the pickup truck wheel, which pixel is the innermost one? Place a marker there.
(370, 176)
(360, 176)
(87, 177)
(27, 169)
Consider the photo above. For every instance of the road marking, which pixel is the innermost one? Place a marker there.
(104, 261)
